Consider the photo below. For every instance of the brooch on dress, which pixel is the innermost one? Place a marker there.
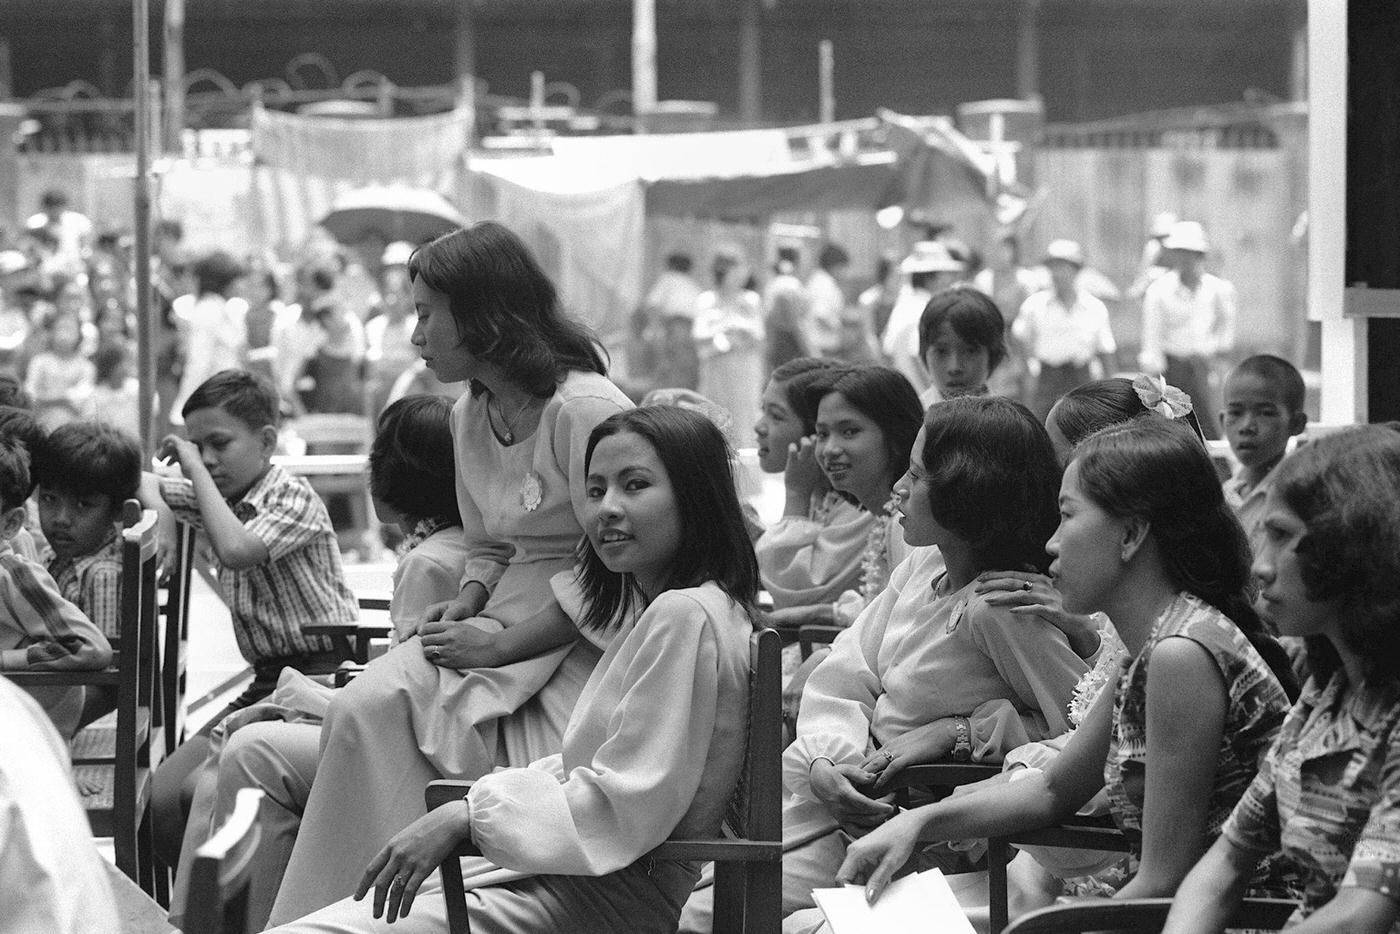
(957, 615)
(531, 492)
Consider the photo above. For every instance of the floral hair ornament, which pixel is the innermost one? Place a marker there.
(1156, 396)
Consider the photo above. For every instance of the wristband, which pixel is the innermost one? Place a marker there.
(816, 759)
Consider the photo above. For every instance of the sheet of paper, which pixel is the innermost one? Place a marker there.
(919, 902)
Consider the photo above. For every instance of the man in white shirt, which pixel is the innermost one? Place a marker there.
(1188, 321)
(1064, 329)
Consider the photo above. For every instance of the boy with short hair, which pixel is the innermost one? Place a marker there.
(1264, 399)
(84, 472)
(39, 629)
(20, 425)
(278, 560)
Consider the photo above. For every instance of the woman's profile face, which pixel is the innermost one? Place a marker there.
(777, 427)
(1087, 548)
(915, 503)
(630, 512)
(436, 336)
(851, 451)
(1283, 597)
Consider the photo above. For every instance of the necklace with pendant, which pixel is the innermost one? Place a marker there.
(508, 432)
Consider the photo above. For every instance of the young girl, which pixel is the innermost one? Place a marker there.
(929, 669)
(1328, 792)
(1145, 536)
(654, 748)
(60, 373)
(440, 705)
(813, 553)
(275, 746)
(962, 340)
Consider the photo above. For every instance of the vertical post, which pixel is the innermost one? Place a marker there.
(537, 100)
(750, 64)
(174, 56)
(145, 325)
(1028, 51)
(643, 61)
(826, 77)
(464, 46)
(7, 74)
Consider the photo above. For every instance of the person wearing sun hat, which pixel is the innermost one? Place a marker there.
(930, 267)
(1064, 329)
(1188, 320)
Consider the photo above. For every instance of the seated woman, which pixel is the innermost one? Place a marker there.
(1145, 536)
(656, 744)
(276, 745)
(813, 553)
(929, 669)
(1328, 792)
(441, 705)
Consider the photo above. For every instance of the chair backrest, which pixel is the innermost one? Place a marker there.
(138, 602)
(331, 433)
(218, 893)
(1141, 915)
(755, 810)
(175, 614)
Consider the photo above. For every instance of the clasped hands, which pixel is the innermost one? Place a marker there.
(449, 641)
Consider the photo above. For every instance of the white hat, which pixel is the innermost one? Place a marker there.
(1187, 235)
(1065, 251)
(1162, 224)
(396, 254)
(930, 256)
(12, 261)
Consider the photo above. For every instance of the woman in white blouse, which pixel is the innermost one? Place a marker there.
(655, 745)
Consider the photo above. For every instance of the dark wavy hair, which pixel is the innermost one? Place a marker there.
(1345, 487)
(506, 309)
(972, 315)
(1095, 405)
(715, 542)
(993, 479)
(15, 482)
(795, 377)
(247, 396)
(1156, 469)
(89, 457)
(883, 395)
(411, 460)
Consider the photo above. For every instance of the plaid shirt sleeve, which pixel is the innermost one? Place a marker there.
(288, 518)
(102, 596)
(33, 605)
(178, 494)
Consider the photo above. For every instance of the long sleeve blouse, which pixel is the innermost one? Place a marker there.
(653, 748)
(519, 502)
(913, 657)
(805, 560)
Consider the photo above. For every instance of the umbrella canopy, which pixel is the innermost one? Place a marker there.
(393, 212)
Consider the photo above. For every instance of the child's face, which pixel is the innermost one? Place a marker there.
(777, 427)
(1256, 421)
(235, 454)
(76, 524)
(956, 366)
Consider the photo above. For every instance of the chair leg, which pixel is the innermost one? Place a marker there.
(763, 898)
(997, 858)
(455, 897)
(729, 897)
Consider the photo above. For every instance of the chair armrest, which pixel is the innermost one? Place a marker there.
(380, 604)
(736, 850)
(347, 672)
(445, 791)
(813, 634)
(1143, 914)
(47, 679)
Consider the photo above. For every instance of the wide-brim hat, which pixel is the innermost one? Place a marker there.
(1162, 224)
(396, 253)
(1187, 235)
(930, 256)
(1064, 251)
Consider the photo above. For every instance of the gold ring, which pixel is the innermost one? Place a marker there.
(889, 756)
(1025, 585)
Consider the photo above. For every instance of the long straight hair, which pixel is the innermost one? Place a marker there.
(1157, 470)
(714, 542)
(507, 311)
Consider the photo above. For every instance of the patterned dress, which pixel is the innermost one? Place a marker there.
(1328, 792)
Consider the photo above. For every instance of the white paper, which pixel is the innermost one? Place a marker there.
(920, 901)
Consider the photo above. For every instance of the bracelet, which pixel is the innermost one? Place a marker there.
(816, 759)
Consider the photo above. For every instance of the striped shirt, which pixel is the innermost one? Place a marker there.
(33, 612)
(1328, 792)
(301, 583)
(94, 582)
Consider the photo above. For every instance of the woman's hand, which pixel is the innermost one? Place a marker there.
(457, 644)
(803, 475)
(877, 856)
(928, 743)
(470, 602)
(835, 788)
(414, 853)
(1030, 594)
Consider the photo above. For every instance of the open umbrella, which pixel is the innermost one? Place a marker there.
(394, 212)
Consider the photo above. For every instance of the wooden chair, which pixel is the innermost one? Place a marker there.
(1086, 833)
(340, 434)
(747, 858)
(353, 639)
(811, 635)
(119, 762)
(1140, 915)
(222, 869)
(175, 639)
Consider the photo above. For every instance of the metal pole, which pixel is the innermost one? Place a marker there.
(174, 49)
(826, 55)
(145, 325)
(643, 60)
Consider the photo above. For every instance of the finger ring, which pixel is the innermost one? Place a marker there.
(889, 756)
(1025, 585)
(398, 882)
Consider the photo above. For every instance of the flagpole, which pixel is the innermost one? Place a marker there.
(145, 325)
